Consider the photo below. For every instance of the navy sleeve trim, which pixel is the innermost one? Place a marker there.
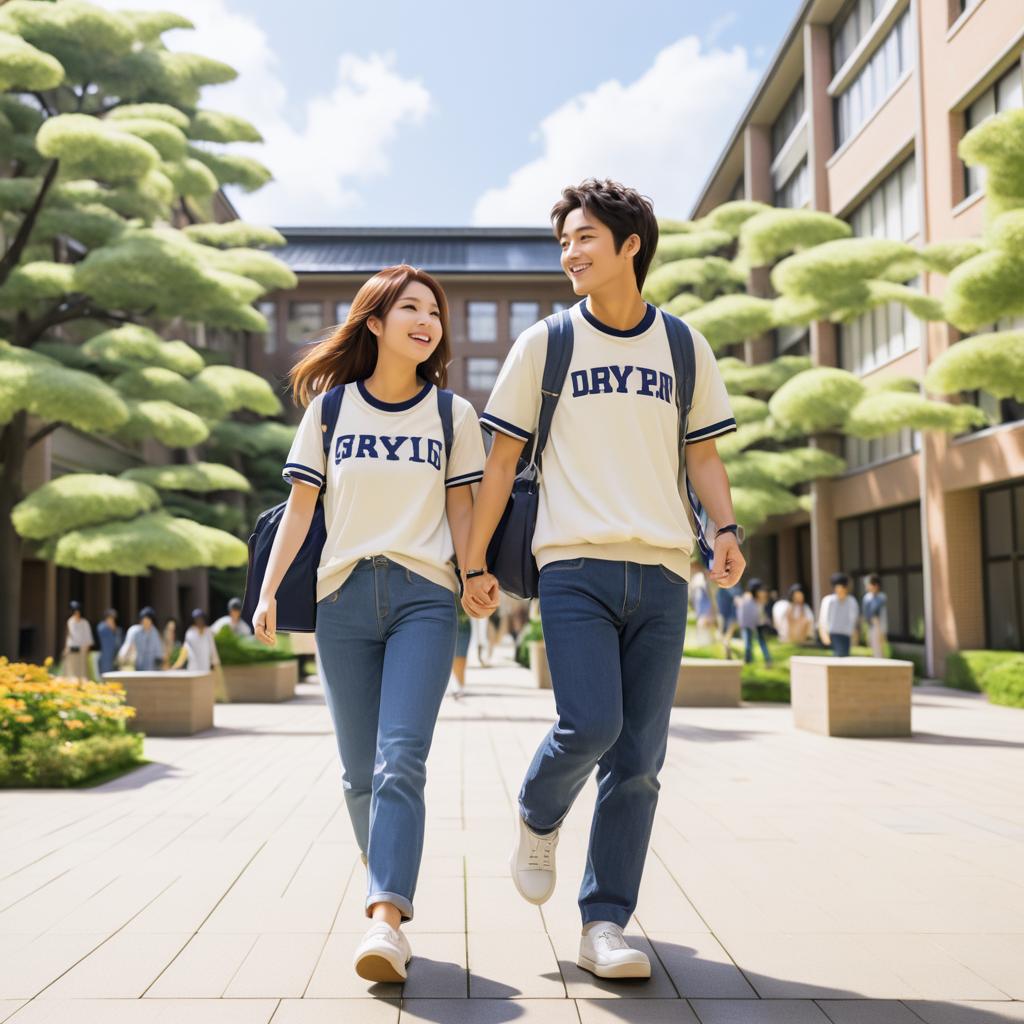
(465, 478)
(301, 476)
(712, 430)
(308, 470)
(491, 423)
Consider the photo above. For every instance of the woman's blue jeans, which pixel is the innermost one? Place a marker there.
(748, 644)
(386, 640)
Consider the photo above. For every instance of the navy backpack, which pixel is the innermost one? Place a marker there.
(296, 594)
(510, 552)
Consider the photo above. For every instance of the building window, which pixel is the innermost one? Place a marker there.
(482, 321)
(522, 315)
(557, 307)
(998, 410)
(877, 336)
(849, 29)
(792, 341)
(1006, 94)
(739, 190)
(873, 83)
(341, 311)
(965, 5)
(794, 193)
(888, 543)
(1002, 541)
(890, 211)
(860, 452)
(305, 319)
(788, 119)
(269, 311)
(481, 373)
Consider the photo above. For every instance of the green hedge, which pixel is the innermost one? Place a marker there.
(999, 674)
(42, 762)
(533, 631)
(247, 650)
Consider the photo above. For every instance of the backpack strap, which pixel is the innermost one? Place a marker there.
(684, 362)
(444, 410)
(556, 366)
(330, 407)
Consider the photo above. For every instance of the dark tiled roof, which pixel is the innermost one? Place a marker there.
(437, 250)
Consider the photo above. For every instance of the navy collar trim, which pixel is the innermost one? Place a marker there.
(392, 406)
(645, 323)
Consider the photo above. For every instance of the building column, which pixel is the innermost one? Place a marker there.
(164, 594)
(818, 104)
(824, 525)
(757, 163)
(98, 596)
(787, 555)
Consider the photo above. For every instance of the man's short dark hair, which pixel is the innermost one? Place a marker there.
(875, 579)
(620, 209)
(235, 604)
(840, 579)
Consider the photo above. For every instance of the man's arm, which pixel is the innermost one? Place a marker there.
(707, 474)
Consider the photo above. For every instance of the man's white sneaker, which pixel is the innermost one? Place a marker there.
(533, 862)
(383, 954)
(604, 952)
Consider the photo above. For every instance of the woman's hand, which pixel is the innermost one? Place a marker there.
(264, 621)
(480, 595)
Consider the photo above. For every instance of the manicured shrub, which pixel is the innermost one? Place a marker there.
(1000, 674)
(247, 650)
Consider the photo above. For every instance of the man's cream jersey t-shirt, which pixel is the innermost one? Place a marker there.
(386, 481)
(610, 480)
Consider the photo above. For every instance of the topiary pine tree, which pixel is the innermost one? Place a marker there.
(105, 153)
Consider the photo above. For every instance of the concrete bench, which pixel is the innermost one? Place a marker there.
(851, 696)
(539, 664)
(168, 703)
(708, 683)
(266, 682)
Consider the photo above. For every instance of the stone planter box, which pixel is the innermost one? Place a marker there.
(708, 683)
(263, 683)
(851, 696)
(539, 664)
(168, 703)
(303, 644)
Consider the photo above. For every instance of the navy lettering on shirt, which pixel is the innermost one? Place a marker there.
(606, 380)
(391, 449)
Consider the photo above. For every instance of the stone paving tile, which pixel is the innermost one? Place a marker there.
(932, 1012)
(758, 1011)
(490, 1011)
(635, 1011)
(867, 1011)
(204, 968)
(145, 1011)
(699, 967)
(581, 984)
(509, 966)
(8, 1006)
(337, 1011)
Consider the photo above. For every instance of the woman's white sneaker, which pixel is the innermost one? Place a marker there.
(533, 862)
(604, 952)
(383, 954)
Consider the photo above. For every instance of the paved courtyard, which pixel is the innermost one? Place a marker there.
(792, 879)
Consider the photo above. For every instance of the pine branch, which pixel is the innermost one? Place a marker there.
(13, 254)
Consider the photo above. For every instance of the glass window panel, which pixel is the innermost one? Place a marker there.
(893, 208)
(890, 539)
(897, 341)
(521, 316)
(896, 612)
(849, 544)
(878, 213)
(1003, 625)
(1018, 503)
(482, 321)
(912, 532)
(269, 311)
(869, 542)
(983, 107)
(481, 373)
(998, 528)
(305, 320)
(341, 311)
(557, 307)
(915, 606)
(880, 315)
(1010, 91)
(908, 190)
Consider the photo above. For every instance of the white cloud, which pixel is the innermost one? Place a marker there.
(661, 134)
(320, 152)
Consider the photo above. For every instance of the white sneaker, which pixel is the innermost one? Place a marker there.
(604, 952)
(383, 954)
(533, 862)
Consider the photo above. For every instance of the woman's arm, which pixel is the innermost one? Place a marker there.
(707, 474)
(458, 506)
(480, 596)
(291, 532)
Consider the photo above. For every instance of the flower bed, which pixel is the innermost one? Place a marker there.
(61, 732)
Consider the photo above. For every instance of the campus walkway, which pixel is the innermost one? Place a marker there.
(792, 879)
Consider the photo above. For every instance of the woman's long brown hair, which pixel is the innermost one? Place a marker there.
(350, 352)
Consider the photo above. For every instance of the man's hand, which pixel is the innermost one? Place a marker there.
(480, 595)
(728, 563)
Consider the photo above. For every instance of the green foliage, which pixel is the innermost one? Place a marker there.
(997, 144)
(191, 178)
(214, 126)
(155, 382)
(65, 353)
(260, 266)
(153, 112)
(153, 541)
(22, 66)
(765, 377)
(706, 278)
(80, 499)
(201, 477)
(690, 245)
(533, 632)
(683, 303)
(133, 346)
(731, 318)
(748, 410)
(44, 762)
(90, 148)
(1004, 684)
(991, 362)
(170, 424)
(91, 225)
(731, 216)
(784, 468)
(231, 169)
(167, 139)
(239, 389)
(753, 505)
(235, 234)
(253, 439)
(749, 434)
(942, 257)
(218, 514)
(247, 650)
(35, 282)
(772, 234)
(1000, 674)
(816, 400)
(884, 412)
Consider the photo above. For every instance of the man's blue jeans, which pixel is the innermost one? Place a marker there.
(614, 638)
(386, 640)
(840, 644)
(748, 644)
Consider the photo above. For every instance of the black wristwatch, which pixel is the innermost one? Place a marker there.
(731, 528)
(473, 573)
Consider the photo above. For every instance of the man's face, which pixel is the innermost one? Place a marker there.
(841, 591)
(589, 258)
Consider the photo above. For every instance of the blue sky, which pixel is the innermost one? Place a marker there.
(459, 113)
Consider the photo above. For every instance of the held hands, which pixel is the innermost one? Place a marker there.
(728, 562)
(264, 621)
(480, 595)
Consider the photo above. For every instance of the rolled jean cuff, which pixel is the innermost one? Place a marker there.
(540, 831)
(605, 912)
(404, 906)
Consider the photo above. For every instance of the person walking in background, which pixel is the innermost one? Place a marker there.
(199, 650)
(837, 619)
(233, 620)
(873, 606)
(110, 636)
(725, 600)
(793, 618)
(752, 617)
(170, 641)
(78, 642)
(143, 647)
(462, 638)
(703, 610)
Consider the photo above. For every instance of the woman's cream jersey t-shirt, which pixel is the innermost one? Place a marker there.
(610, 480)
(386, 481)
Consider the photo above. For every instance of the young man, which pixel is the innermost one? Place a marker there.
(233, 619)
(873, 607)
(837, 618)
(614, 545)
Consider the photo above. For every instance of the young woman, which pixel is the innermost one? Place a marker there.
(386, 588)
(198, 648)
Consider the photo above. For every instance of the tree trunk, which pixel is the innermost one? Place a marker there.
(12, 455)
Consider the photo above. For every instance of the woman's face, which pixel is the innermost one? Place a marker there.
(798, 597)
(412, 328)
